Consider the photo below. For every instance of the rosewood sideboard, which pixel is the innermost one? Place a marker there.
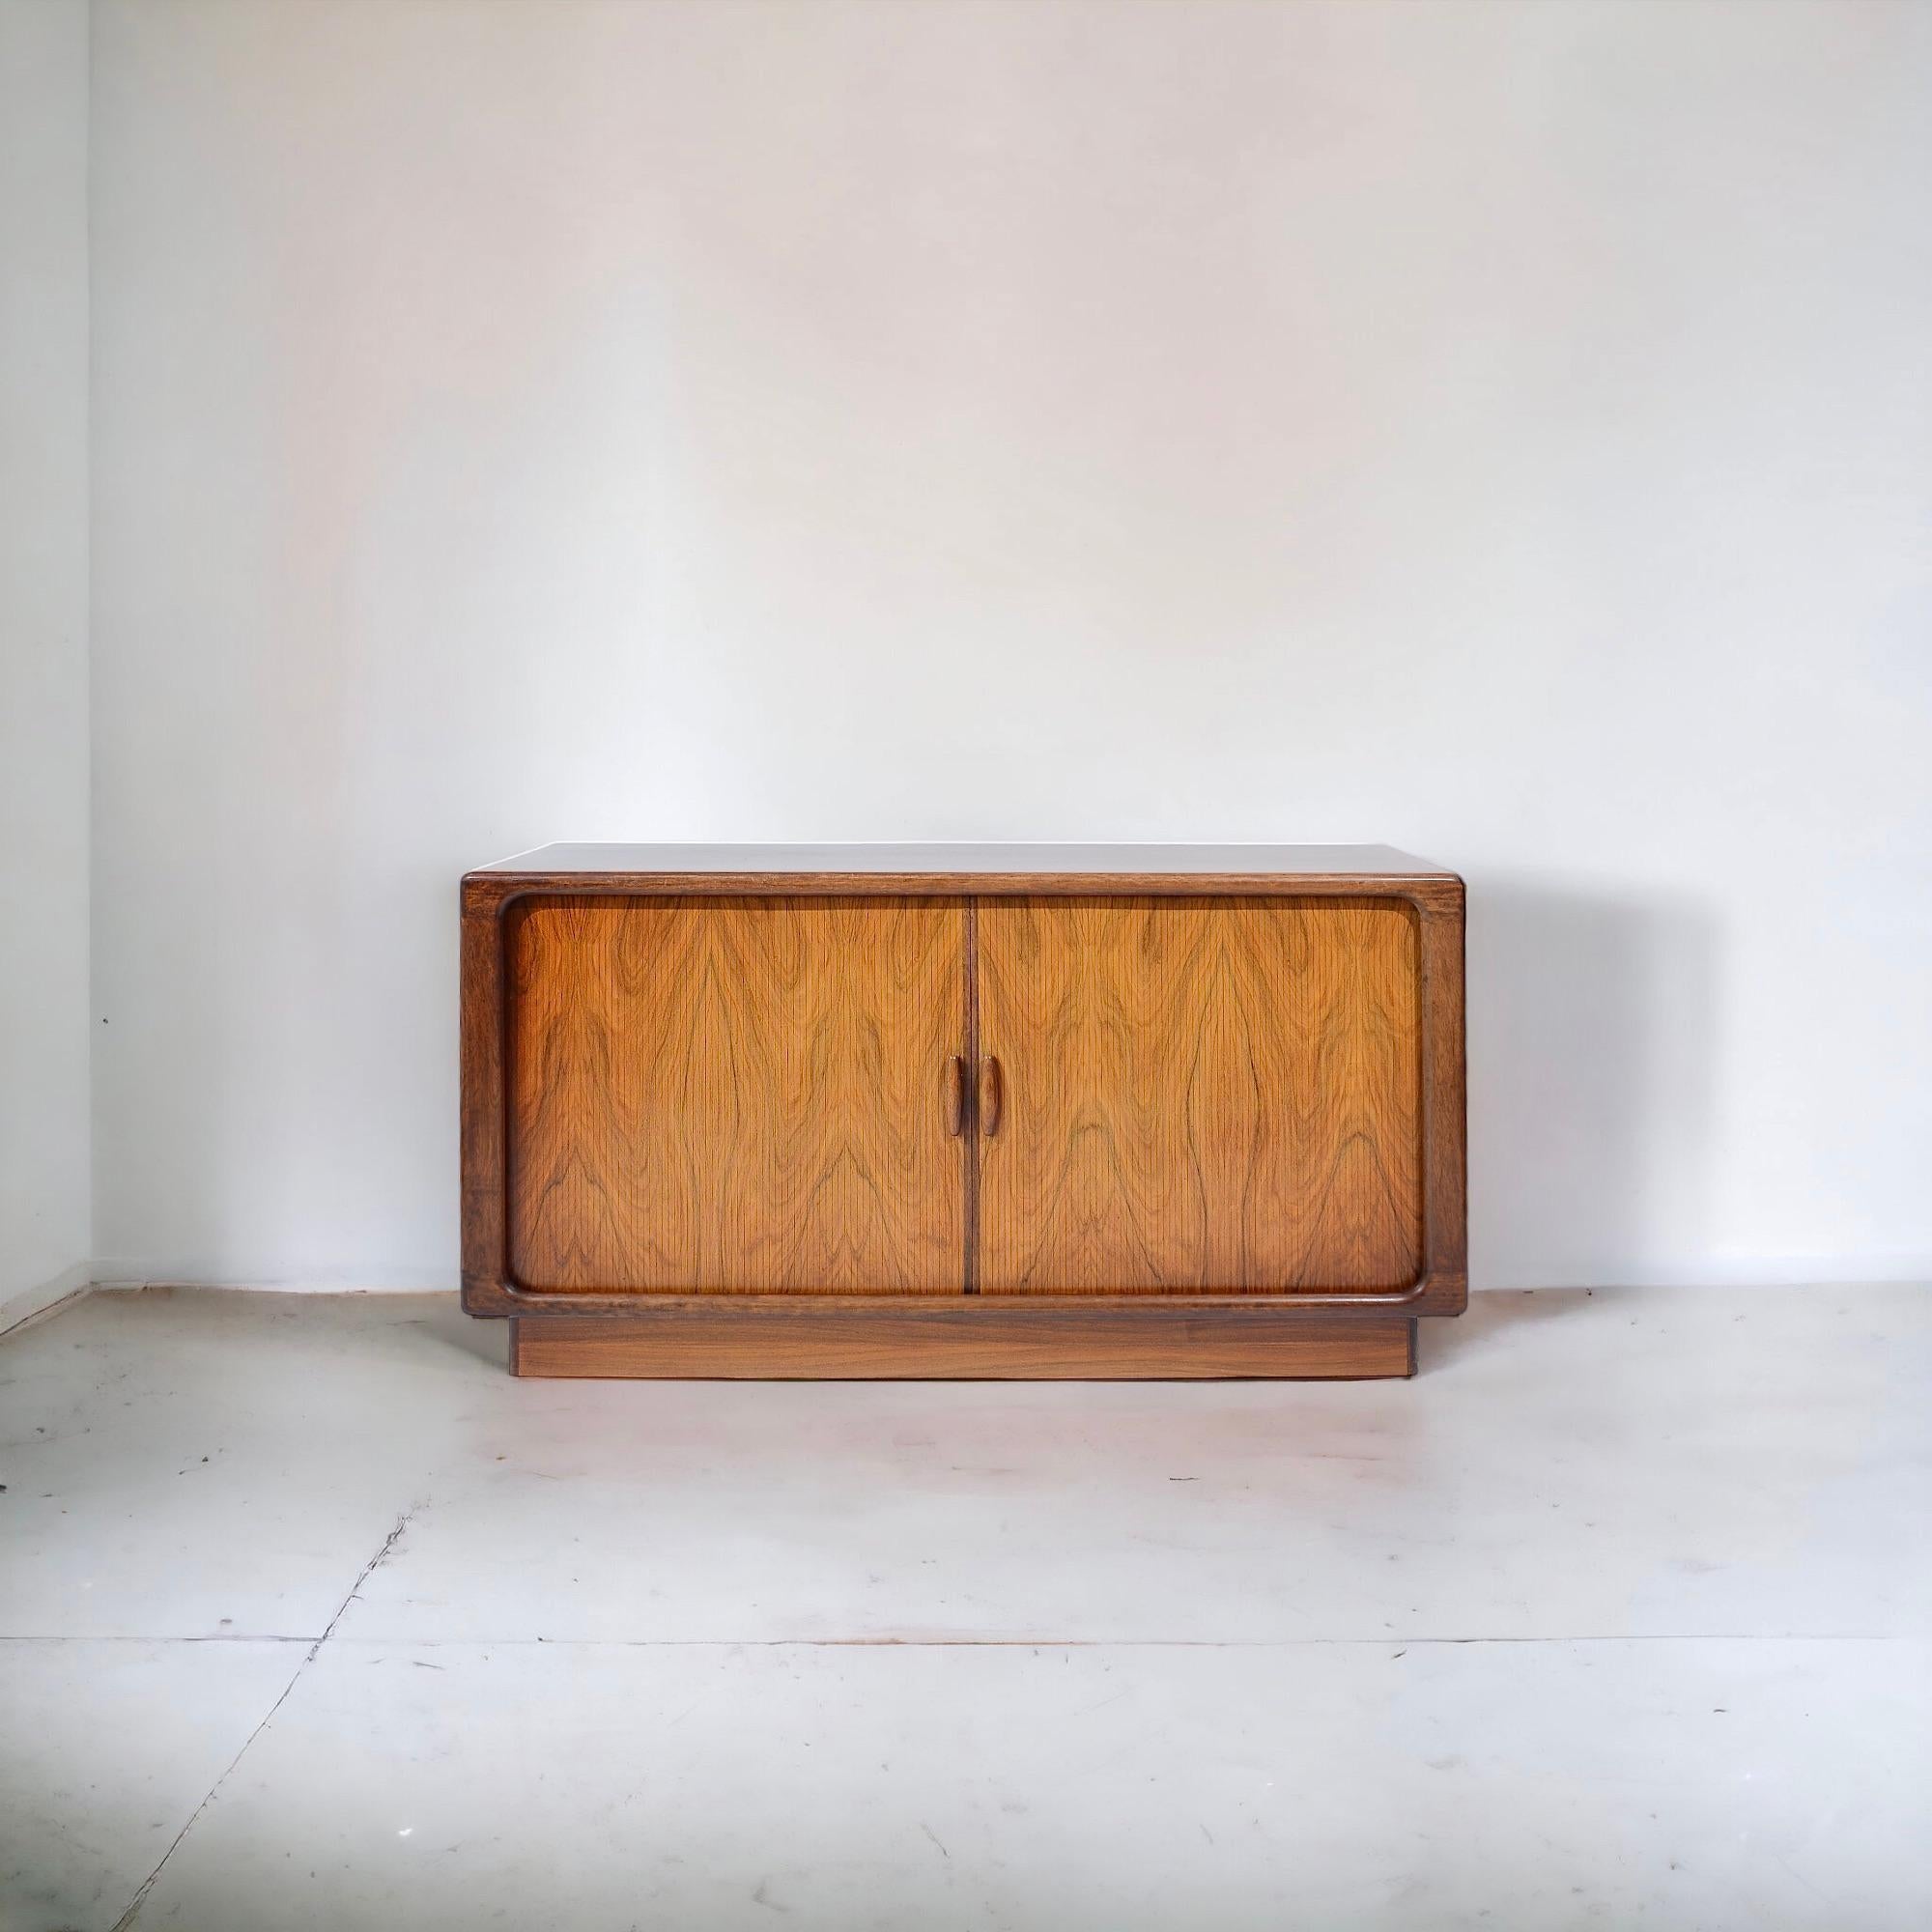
(956, 1110)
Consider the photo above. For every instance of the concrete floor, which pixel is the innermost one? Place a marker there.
(1618, 1615)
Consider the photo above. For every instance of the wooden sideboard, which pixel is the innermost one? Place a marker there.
(952, 1111)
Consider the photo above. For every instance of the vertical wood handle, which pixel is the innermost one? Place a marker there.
(992, 1096)
(955, 1095)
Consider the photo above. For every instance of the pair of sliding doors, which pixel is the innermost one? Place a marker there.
(1044, 1096)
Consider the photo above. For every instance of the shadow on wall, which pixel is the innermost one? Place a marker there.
(1592, 1024)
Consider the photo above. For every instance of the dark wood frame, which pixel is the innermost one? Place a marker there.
(1086, 1334)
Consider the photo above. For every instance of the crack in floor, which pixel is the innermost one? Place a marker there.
(133, 1912)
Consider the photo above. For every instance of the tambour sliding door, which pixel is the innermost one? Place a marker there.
(723, 1094)
(1198, 1094)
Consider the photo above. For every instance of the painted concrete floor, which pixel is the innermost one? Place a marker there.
(1619, 1615)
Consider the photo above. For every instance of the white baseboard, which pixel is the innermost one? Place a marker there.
(1817, 1271)
(170, 1272)
(31, 1303)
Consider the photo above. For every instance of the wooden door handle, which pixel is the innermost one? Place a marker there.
(992, 1096)
(955, 1095)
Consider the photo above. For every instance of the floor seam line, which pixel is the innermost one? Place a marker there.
(171, 1636)
(128, 1918)
(1104, 1642)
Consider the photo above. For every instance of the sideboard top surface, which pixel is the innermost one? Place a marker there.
(967, 862)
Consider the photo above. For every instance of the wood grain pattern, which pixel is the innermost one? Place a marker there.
(1444, 1289)
(728, 1095)
(1202, 1095)
(963, 1341)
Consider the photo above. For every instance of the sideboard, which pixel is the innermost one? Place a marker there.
(958, 1111)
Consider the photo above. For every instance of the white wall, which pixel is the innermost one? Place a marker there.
(45, 1234)
(1497, 429)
